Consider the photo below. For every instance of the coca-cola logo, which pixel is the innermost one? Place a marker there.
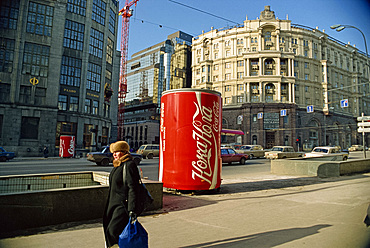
(71, 148)
(206, 134)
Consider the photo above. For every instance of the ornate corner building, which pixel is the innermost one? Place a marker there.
(59, 73)
(283, 83)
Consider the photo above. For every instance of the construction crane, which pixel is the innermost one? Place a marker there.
(126, 13)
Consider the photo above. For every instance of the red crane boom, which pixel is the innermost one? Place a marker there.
(126, 13)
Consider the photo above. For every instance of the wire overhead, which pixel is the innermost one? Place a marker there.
(205, 12)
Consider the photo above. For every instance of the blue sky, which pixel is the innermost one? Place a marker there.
(149, 14)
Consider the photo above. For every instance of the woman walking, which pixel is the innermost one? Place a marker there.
(123, 192)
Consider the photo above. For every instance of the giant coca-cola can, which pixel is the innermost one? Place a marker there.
(67, 146)
(190, 139)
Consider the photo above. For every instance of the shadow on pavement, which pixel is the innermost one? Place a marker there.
(264, 240)
(180, 200)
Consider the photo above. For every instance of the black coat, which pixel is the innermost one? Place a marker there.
(121, 200)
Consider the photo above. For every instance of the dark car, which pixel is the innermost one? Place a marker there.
(105, 157)
(229, 155)
(4, 155)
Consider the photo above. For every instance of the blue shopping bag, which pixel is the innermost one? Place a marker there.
(133, 236)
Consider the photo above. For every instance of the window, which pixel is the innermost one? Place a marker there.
(73, 35)
(40, 19)
(240, 63)
(88, 106)
(306, 65)
(30, 128)
(73, 103)
(240, 86)
(62, 102)
(240, 99)
(96, 43)
(215, 46)
(108, 75)
(228, 65)
(215, 67)
(227, 88)
(203, 68)
(9, 14)
(254, 49)
(95, 107)
(227, 100)
(25, 94)
(110, 46)
(6, 55)
(305, 53)
(4, 92)
(70, 73)
(112, 21)
(40, 96)
(93, 77)
(227, 54)
(77, 7)
(306, 76)
(240, 75)
(215, 78)
(98, 11)
(35, 59)
(87, 136)
(227, 76)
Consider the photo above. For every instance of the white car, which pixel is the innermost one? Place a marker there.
(327, 152)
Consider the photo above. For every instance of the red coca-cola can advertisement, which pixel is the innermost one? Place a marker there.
(67, 146)
(190, 139)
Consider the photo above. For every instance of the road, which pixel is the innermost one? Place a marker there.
(20, 166)
(148, 166)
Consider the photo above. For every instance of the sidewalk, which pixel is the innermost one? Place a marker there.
(254, 211)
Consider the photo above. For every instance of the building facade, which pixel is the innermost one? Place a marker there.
(59, 74)
(283, 83)
(164, 66)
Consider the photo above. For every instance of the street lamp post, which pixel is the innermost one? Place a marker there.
(338, 28)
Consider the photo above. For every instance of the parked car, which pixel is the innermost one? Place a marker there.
(105, 157)
(356, 148)
(282, 152)
(327, 152)
(149, 151)
(253, 151)
(229, 155)
(4, 155)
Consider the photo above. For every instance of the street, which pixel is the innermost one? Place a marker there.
(21, 166)
(148, 166)
(253, 209)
